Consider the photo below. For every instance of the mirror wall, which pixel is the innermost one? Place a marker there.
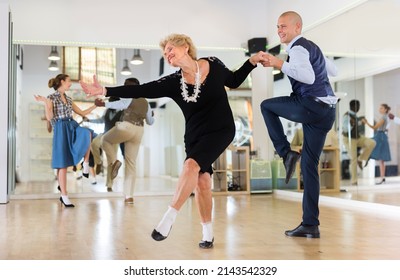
(163, 143)
(161, 154)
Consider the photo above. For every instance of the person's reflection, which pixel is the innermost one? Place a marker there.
(381, 151)
(358, 146)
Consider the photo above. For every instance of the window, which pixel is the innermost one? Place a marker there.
(81, 63)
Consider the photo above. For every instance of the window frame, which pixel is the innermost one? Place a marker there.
(85, 64)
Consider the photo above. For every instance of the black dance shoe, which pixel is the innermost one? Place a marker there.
(86, 175)
(289, 162)
(157, 236)
(381, 182)
(66, 205)
(304, 231)
(206, 244)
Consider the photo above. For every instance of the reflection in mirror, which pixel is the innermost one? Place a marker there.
(161, 153)
(359, 176)
(365, 78)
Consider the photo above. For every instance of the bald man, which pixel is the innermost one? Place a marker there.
(312, 103)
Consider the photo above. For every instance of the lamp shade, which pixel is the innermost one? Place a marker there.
(53, 66)
(54, 54)
(136, 59)
(125, 70)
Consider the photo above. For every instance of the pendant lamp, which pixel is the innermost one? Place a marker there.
(53, 66)
(136, 59)
(54, 54)
(125, 70)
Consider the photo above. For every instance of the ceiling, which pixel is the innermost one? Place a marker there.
(368, 30)
(364, 29)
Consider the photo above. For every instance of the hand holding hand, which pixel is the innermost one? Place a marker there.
(257, 58)
(92, 89)
(99, 103)
(272, 61)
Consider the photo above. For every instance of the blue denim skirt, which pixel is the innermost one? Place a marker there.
(70, 143)
(381, 150)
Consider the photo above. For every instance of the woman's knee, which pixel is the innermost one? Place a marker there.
(191, 165)
(204, 182)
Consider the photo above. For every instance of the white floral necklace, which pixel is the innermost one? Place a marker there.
(197, 84)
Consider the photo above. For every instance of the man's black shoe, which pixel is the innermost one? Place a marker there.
(290, 164)
(304, 231)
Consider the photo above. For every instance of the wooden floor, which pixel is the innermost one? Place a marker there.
(34, 226)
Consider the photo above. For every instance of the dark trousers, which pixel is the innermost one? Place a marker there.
(317, 119)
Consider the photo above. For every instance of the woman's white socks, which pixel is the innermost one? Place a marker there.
(166, 222)
(208, 233)
(66, 199)
(85, 167)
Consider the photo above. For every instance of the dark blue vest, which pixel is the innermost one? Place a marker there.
(321, 86)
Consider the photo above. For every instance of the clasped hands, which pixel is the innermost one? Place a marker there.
(266, 60)
(99, 103)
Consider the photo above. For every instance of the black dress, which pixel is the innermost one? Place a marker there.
(209, 124)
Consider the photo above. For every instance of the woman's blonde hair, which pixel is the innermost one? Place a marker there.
(179, 40)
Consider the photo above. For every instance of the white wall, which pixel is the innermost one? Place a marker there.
(226, 23)
(211, 24)
(313, 12)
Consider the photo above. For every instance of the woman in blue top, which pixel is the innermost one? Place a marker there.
(71, 142)
(381, 152)
(198, 88)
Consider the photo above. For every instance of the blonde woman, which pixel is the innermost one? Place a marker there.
(198, 88)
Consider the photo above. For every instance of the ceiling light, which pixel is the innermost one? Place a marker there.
(53, 66)
(136, 59)
(54, 54)
(125, 70)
